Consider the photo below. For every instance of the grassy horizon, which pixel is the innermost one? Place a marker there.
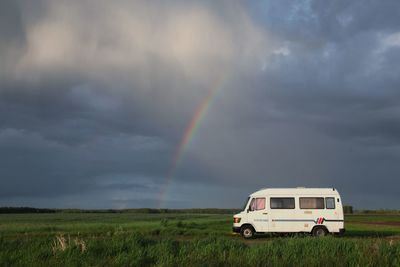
(181, 239)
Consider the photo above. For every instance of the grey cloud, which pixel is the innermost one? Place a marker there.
(34, 166)
(95, 98)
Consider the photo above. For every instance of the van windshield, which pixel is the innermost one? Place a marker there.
(245, 204)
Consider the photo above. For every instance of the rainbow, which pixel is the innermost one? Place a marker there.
(189, 133)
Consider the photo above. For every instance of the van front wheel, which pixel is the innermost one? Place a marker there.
(247, 232)
(319, 231)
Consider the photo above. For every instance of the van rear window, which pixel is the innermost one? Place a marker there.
(330, 202)
(312, 203)
(282, 202)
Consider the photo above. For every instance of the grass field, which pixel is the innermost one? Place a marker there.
(127, 239)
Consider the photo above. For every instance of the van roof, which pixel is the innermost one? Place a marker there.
(296, 191)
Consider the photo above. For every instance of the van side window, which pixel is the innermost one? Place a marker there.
(260, 203)
(282, 202)
(330, 203)
(312, 203)
(257, 203)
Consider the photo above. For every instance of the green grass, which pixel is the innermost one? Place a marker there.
(185, 240)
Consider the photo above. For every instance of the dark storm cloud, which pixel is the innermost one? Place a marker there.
(34, 166)
(10, 22)
(95, 97)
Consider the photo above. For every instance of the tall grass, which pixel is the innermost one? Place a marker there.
(183, 240)
(139, 250)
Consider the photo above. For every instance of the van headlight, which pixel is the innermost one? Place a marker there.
(236, 220)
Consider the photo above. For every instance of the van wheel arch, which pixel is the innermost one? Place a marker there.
(319, 230)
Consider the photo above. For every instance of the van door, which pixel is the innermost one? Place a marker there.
(282, 214)
(258, 214)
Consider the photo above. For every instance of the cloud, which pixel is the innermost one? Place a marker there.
(95, 97)
(129, 41)
(147, 58)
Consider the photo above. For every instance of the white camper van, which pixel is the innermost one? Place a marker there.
(318, 211)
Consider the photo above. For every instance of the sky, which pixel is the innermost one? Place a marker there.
(195, 104)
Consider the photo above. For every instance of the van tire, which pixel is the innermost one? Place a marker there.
(319, 231)
(247, 231)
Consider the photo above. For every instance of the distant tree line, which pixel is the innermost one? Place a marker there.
(141, 210)
(379, 211)
(25, 210)
(154, 211)
(350, 210)
(346, 208)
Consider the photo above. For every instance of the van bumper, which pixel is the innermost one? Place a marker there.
(236, 229)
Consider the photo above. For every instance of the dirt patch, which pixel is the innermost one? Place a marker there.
(381, 223)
